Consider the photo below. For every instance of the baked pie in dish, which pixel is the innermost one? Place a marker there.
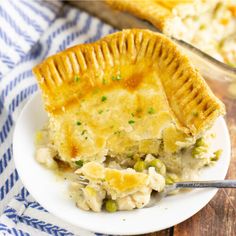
(208, 25)
(127, 115)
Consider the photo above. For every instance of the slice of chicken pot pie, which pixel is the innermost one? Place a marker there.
(124, 113)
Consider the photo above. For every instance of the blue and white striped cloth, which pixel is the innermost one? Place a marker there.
(29, 32)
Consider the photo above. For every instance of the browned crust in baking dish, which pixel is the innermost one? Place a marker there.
(157, 12)
(186, 91)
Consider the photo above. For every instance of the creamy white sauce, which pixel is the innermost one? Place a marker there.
(180, 167)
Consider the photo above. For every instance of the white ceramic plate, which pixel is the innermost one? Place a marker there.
(51, 193)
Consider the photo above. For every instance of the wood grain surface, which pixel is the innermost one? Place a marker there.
(218, 217)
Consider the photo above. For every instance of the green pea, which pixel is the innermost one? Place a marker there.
(159, 166)
(111, 206)
(200, 142)
(140, 166)
(217, 155)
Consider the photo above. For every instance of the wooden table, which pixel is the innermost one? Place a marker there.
(218, 217)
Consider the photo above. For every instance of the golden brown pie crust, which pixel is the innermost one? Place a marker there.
(192, 104)
(157, 12)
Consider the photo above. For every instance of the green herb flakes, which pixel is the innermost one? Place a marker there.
(77, 78)
(79, 163)
(116, 78)
(117, 132)
(83, 132)
(195, 113)
(104, 98)
(100, 111)
(131, 122)
(78, 123)
(151, 110)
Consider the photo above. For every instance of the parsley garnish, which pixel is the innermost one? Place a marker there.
(151, 110)
(195, 113)
(78, 123)
(77, 78)
(79, 163)
(104, 81)
(117, 132)
(131, 122)
(104, 98)
(100, 111)
(83, 132)
(114, 78)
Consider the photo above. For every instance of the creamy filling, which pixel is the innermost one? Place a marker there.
(210, 26)
(89, 182)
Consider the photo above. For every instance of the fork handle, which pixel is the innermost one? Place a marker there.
(207, 184)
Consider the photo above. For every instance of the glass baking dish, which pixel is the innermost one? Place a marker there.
(217, 73)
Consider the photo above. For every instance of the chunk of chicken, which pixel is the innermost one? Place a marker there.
(94, 196)
(136, 200)
(125, 203)
(77, 195)
(156, 181)
(45, 155)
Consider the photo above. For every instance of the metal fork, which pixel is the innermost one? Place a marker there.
(82, 180)
(158, 196)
